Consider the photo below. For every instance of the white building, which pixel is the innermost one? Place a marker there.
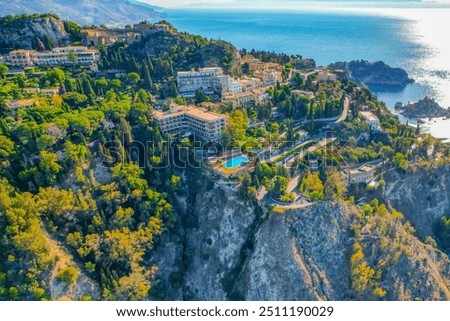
(371, 120)
(76, 55)
(204, 79)
(68, 55)
(206, 125)
(228, 85)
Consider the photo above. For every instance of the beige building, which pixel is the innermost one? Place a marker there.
(250, 84)
(23, 58)
(20, 104)
(363, 174)
(325, 76)
(241, 100)
(205, 125)
(97, 37)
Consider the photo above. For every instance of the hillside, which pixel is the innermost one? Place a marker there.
(191, 50)
(86, 12)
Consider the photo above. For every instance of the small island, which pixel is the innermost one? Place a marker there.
(366, 73)
(424, 108)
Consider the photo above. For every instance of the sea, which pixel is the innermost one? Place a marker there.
(415, 39)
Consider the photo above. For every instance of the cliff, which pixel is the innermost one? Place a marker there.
(424, 108)
(231, 249)
(423, 196)
(22, 32)
(86, 12)
(366, 73)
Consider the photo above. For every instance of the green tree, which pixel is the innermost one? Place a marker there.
(3, 70)
(335, 187)
(7, 147)
(400, 161)
(312, 186)
(279, 186)
(49, 167)
(68, 275)
(56, 76)
(237, 125)
(443, 233)
(75, 100)
(134, 78)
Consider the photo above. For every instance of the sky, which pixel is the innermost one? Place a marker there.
(179, 3)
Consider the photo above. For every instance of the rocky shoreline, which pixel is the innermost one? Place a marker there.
(424, 108)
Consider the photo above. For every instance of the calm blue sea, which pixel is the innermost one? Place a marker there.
(406, 38)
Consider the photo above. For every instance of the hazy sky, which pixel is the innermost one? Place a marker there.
(176, 3)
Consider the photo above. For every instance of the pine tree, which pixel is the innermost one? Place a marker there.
(147, 78)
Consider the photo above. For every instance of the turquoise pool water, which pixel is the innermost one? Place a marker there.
(235, 162)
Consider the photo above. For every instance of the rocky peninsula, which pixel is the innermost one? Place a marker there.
(378, 73)
(424, 108)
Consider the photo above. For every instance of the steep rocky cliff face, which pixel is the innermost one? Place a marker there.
(300, 255)
(230, 249)
(423, 197)
(306, 255)
(23, 33)
(201, 262)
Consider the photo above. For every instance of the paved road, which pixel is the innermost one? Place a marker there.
(293, 182)
(345, 111)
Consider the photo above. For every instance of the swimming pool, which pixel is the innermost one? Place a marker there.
(235, 162)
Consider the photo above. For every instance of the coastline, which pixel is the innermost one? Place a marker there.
(293, 34)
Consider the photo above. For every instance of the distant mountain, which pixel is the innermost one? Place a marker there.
(86, 12)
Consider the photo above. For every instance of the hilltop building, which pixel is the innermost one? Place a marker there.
(105, 37)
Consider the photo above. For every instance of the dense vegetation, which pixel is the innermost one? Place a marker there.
(49, 155)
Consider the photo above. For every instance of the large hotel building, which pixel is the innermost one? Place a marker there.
(205, 125)
(77, 55)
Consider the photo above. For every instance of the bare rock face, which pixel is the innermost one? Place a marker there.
(300, 255)
(214, 246)
(199, 263)
(308, 255)
(24, 33)
(423, 197)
